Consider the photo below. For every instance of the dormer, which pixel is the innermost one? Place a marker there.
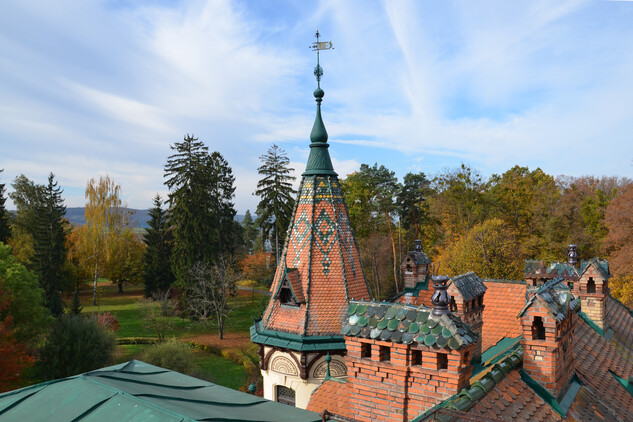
(289, 293)
(592, 288)
(415, 267)
(548, 320)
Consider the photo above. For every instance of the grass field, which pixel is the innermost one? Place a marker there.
(211, 367)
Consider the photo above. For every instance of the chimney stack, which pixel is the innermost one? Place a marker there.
(418, 245)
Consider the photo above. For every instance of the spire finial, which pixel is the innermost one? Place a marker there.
(319, 162)
(318, 46)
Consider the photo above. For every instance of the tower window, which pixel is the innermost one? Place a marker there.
(452, 306)
(591, 285)
(442, 361)
(365, 350)
(408, 269)
(416, 357)
(538, 330)
(285, 395)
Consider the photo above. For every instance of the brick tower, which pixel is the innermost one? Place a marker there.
(548, 320)
(592, 288)
(318, 273)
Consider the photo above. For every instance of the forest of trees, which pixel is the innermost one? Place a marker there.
(194, 250)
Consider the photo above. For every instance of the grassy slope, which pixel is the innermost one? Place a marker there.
(211, 367)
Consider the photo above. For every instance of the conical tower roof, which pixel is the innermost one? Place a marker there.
(320, 268)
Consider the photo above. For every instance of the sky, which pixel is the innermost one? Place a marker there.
(89, 88)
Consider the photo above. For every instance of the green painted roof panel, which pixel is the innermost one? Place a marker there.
(137, 391)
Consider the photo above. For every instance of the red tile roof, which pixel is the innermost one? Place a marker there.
(587, 407)
(620, 321)
(503, 301)
(596, 362)
(333, 396)
(511, 399)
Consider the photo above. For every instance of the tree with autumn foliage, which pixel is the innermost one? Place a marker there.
(15, 359)
(259, 267)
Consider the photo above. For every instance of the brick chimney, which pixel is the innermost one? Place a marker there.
(415, 267)
(466, 293)
(548, 321)
(592, 288)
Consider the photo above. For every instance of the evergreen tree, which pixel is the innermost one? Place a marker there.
(158, 239)
(28, 197)
(277, 196)
(250, 230)
(49, 245)
(76, 307)
(5, 231)
(201, 208)
(414, 210)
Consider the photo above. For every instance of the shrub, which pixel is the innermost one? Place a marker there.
(172, 355)
(107, 320)
(75, 345)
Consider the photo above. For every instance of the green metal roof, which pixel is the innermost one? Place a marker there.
(136, 391)
(261, 335)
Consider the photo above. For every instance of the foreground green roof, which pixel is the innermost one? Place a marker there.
(137, 391)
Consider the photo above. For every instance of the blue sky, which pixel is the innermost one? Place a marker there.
(89, 88)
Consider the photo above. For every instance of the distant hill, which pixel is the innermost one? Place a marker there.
(138, 219)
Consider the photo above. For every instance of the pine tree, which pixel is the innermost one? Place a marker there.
(5, 231)
(277, 196)
(158, 239)
(250, 230)
(49, 245)
(75, 307)
(201, 208)
(414, 210)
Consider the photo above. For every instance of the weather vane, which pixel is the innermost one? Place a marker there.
(318, 46)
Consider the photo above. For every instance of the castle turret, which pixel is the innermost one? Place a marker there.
(319, 272)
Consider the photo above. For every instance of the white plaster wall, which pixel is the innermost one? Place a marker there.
(303, 388)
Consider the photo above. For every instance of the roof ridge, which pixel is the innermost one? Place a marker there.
(468, 397)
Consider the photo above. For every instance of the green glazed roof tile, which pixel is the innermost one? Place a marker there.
(351, 308)
(373, 322)
(391, 312)
(401, 323)
(429, 340)
(441, 342)
(393, 324)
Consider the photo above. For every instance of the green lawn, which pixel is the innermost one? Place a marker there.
(212, 368)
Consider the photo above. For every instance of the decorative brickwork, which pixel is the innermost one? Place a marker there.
(548, 321)
(592, 288)
(399, 389)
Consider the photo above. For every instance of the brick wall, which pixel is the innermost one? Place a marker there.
(471, 312)
(550, 361)
(593, 304)
(397, 390)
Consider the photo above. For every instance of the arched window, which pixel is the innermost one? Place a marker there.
(285, 395)
(591, 285)
(538, 330)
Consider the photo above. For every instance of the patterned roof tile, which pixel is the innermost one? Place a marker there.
(332, 395)
(406, 324)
